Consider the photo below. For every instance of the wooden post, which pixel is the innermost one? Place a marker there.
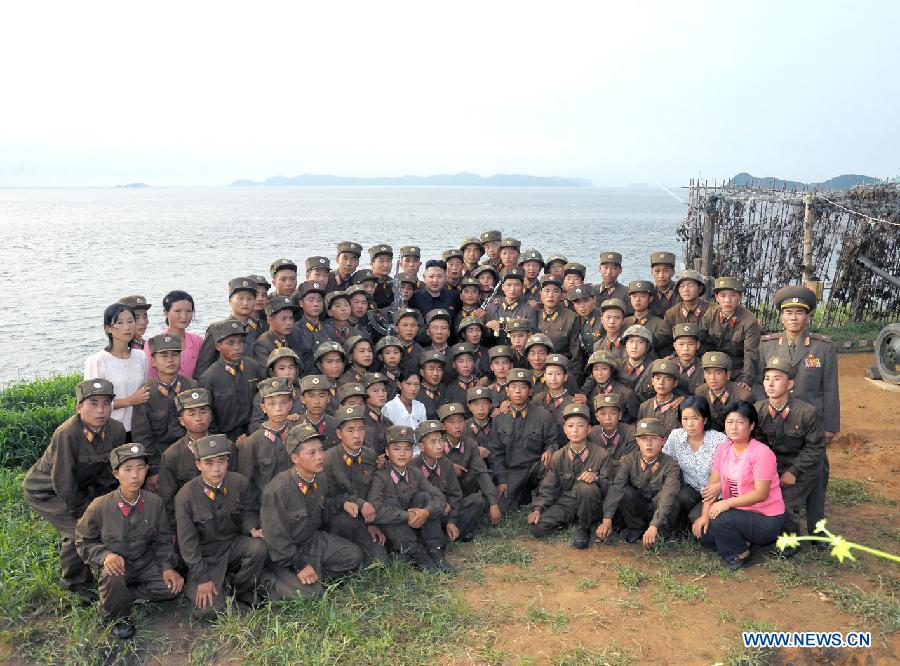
(807, 238)
(709, 229)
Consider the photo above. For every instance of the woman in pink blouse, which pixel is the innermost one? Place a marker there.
(751, 510)
(179, 309)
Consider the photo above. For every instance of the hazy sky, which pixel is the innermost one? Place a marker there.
(197, 93)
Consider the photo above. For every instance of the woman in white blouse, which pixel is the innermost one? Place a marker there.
(125, 367)
(404, 409)
(694, 447)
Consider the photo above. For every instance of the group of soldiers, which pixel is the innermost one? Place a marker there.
(272, 468)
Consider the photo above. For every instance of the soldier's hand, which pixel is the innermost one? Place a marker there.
(788, 479)
(307, 575)
(152, 483)
(546, 456)
(368, 512)
(379, 462)
(504, 407)
(293, 417)
(533, 517)
(604, 529)
(481, 313)
(240, 439)
(206, 593)
(256, 533)
(484, 452)
(114, 565)
(502, 489)
(173, 580)
(494, 514)
(494, 325)
(580, 398)
(447, 510)
(650, 536)
(376, 534)
(588, 477)
(452, 532)
(351, 509)
(829, 436)
(459, 469)
(139, 397)
(422, 515)
(700, 526)
(745, 386)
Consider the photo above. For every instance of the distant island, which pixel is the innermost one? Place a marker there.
(843, 182)
(456, 179)
(134, 186)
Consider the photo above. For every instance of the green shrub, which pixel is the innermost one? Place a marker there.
(56, 391)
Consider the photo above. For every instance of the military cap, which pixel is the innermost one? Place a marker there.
(795, 296)
(274, 386)
(469, 281)
(241, 284)
(479, 393)
(225, 328)
(282, 352)
(471, 240)
(550, 279)
(487, 268)
(558, 359)
(500, 351)
(576, 409)
(438, 313)
(388, 341)
(640, 287)
(518, 324)
(691, 275)
(530, 254)
(462, 348)
(782, 363)
(406, 312)
(135, 302)
(349, 390)
(351, 413)
(608, 400)
(310, 287)
(371, 378)
(520, 375)
(513, 273)
(314, 383)
(317, 261)
(126, 452)
(663, 366)
(298, 435)
(212, 446)
(400, 433)
(465, 322)
(352, 341)
(580, 291)
(716, 359)
(363, 275)
(732, 283)
(450, 409)
(326, 347)
(509, 241)
(280, 265)
(575, 267)
(349, 247)
(89, 387)
(428, 427)
(447, 255)
(610, 303)
(638, 331)
(492, 235)
(192, 398)
(408, 278)
(667, 258)
(611, 258)
(410, 251)
(331, 297)
(539, 339)
(554, 258)
(602, 356)
(686, 330)
(432, 357)
(260, 280)
(164, 342)
(376, 250)
(279, 303)
(649, 427)
(355, 289)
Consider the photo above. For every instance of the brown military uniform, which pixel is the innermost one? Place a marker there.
(563, 327)
(679, 314)
(258, 416)
(555, 406)
(663, 300)
(737, 336)
(481, 433)
(562, 498)
(615, 290)
(666, 413)
(266, 343)
(689, 376)
(432, 398)
(465, 510)
(661, 333)
(155, 423)
(208, 354)
(631, 405)
(619, 444)
(504, 311)
(718, 402)
(477, 477)
(327, 428)
(260, 458)
(231, 390)
(643, 494)
(638, 378)
(590, 333)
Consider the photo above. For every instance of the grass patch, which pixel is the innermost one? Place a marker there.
(612, 655)
(536, 614)
(670, 588)
(629, 576)
(866, 330)
(847, 492)
(738, 655)
(586, 584)
(55, 391)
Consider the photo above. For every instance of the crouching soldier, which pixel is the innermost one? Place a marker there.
(218, 531)
(124, 537)
(644, 490)
(292, 515)
(575, 482)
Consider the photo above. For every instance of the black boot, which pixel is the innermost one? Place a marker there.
(422, 559)
(123, 629)
(582, 538)
(437, 555)
(633, 535)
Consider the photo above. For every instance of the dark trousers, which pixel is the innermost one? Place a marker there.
(731, 531)
(52, 509)
(117, 593)
(333, 557)
(416, 542)
(807, 494)
(469, 513)
(690, 505)
(582, 505)
(356, 530)
(521, 482)
(242, 561)
(637, 510)
(815, 504)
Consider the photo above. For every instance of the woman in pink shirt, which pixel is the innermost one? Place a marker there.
(179, 309)
(751, 510)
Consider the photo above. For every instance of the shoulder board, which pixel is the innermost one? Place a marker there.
(819, 336)
(770, 336)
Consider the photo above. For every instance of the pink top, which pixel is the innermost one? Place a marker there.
(739, 472)
(189, 354)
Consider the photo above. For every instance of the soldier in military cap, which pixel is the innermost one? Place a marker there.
(309, 328)
(521, 443)
(231, 380)
(612, 319)
(360, 357)
(490, 241)
(282, 362)
(537, 349)
(560, 324)
(635, 369)
(729, 327)
(284, 276)
(453, 258)
(330, 360)
(178, 463)
(472, 250)
(72, 471)
(464, 377)
(512, 306)
(470, 298)
(410, 259)
(641, 299)
(351, 394)
(347, 261)
(573, 275)
(295, 509)
(376, 385)
(581, 300)
(432, 366)
(471, 330)
(389, 351)
(123, 536)
(577, 478)
(318, 269)
(481, 402)
(690, 369)
(360, 305)
(610, 287)
(487, 277)
(663, 406)
(718, 389)
(155, 422)
(501, 365)
(510, 251)
(518, 331)
(531, 262)
(281, 314)
(662, 268)
(318, 395)
(408, 509)
(366, 279)
(554, 395)
(437, 323)
(350, 467)
(139, 306)
(257, 319)
(691, 306)
(219, 535)
(406, 323)
(793, 430)
(554, 266)
(602, 373)
(381, 257)
(242, 298)
(338, 327)
(644, 489)
(611, 433)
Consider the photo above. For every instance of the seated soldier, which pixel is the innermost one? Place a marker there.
(610, 432)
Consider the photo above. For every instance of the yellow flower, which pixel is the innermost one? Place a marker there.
(841, 549)
(787, 541)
